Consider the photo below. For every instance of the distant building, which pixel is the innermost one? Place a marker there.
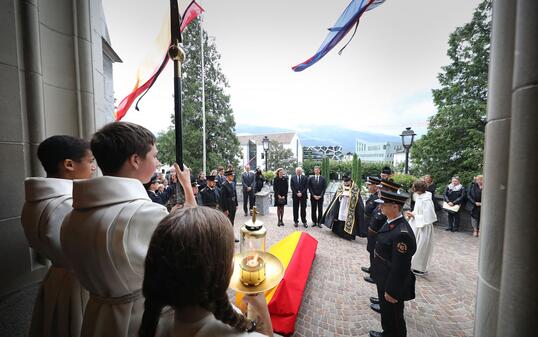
(399, 157)
(377, 152)
(320, 152)
(252, 147)
(348, 156)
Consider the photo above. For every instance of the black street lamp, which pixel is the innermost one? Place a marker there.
(265, 143)
(408, 137)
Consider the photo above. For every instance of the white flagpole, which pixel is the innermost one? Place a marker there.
(203, 96)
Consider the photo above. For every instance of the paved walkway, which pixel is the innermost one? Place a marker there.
(336, 301)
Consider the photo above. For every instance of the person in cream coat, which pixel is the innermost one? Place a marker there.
(60, 304)
(106, 236)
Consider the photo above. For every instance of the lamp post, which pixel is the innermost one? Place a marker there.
(408, 137)
(265, 143)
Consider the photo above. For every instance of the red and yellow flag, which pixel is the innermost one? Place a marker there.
(296, 252)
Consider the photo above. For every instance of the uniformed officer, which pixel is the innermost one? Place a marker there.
(228, 196)
(391, 268)
(210, 194)
(369, 208)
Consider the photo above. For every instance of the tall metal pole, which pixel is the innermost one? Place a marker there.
(177, 54)
(204, 157)
(406, 161)
(266, 159)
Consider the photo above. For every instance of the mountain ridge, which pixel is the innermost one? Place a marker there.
(323, 136)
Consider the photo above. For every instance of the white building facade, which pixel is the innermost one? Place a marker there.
(377, 152)
(252, 147)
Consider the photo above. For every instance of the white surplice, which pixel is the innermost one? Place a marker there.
(106, 238)
(60, 304)
(422, 224)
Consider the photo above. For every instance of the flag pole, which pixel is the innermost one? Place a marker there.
(203, 96)
(177, 54)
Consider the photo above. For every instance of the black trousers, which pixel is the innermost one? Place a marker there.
(302, 203)
(392, 316)
(231, 215)
(453, 220)
(317, 209)
(248, 197)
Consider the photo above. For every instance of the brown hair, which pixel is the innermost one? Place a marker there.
(189, 263)
(420, 186)
(115, 142)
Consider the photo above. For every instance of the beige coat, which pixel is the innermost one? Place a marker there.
(59, 307)
(106, 238)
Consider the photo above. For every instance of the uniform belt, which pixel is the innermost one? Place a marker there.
(371, 230)
(376, 254)
(135, 295)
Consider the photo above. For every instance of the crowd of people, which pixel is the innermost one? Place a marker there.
(133, 254)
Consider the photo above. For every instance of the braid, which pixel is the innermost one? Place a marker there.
(225, 313)
(150, 319)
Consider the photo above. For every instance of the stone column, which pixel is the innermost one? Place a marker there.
(518, 303)
(32, 92)
(496, 154)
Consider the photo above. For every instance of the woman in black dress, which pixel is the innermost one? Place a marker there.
(280, 187)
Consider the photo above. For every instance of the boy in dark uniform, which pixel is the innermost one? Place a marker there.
(228, 196)
(209, 194)
(377, 221)
(391, 268)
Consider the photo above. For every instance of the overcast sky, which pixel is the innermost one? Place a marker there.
(381, 83)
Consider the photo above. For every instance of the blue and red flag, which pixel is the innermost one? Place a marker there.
(349, 18)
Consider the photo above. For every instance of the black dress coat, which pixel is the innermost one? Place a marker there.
(280, 187)
(228, 197)
(210, 197)
(391, 268)
(473, 196)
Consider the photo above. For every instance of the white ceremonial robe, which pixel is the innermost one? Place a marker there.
(60, 304)
(106, 238)
(422, 224)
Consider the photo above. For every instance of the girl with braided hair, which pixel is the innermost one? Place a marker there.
(188, 267)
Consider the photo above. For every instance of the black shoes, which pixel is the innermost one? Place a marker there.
(369, 279)
(296, 224)
(375, 334)
(366, 269)
(376, 308)
(280, 223)
(448, 229)
(305, 225)
(374, 300)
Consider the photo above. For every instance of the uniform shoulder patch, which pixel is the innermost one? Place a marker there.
(401, 247)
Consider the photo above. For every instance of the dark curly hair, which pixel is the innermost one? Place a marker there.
(54, 150)
(189, 263)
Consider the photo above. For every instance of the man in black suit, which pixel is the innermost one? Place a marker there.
(228, 196)
(209, 194)
(248, 180)
(316, 187)
(299, 186)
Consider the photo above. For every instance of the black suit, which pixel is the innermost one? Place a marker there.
(209, 197)
(299, 184)
(228, 200)
(316, 187)
(391, 270)
(248, 179)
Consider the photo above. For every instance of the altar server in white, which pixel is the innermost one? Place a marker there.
(60, 304)
(421, 219)
(106, 236)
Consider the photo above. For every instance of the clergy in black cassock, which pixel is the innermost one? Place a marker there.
(345, 214)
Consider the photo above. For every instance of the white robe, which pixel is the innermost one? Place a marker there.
(422, 224)
(106, 239)
(60, 304)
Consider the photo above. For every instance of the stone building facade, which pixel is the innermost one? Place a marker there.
(56, 78)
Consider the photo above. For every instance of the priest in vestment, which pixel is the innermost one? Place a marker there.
(421, 219)
(345, 214)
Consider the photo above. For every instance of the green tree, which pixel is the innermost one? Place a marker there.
(221, 142)
(454, 142)
(278, 156)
